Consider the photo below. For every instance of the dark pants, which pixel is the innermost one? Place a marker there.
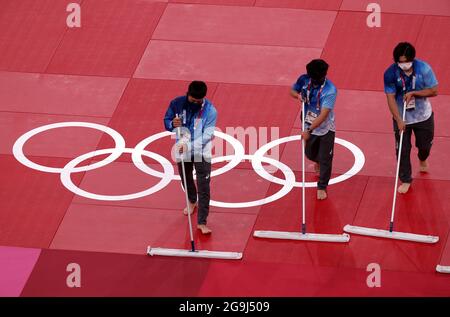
(203, 172)
(320, 150)
(424, 133)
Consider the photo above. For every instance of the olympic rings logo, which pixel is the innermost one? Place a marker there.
(168, 174)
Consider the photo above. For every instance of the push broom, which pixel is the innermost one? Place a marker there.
(192, 252)
(303, 235)
(391, 234)
(443, 269)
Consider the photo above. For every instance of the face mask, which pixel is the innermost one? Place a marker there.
(405, 66)
(317, 82)
(193, 105)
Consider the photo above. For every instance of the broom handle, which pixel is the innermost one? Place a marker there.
(399, 155)
(186, 191)
(303, 172)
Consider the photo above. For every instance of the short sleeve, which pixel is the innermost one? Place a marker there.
(389, 81)
(428, 77)
(297, 86)
(329, 100)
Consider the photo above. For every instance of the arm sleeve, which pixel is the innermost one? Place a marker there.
(169, 116)
(429, 78)
(329, 100)
(297, 86)
(389, 82)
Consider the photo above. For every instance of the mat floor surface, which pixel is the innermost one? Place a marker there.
(106, 85)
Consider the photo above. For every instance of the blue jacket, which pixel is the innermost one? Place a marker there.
(327, 100)
(201, 128)
(424, 79)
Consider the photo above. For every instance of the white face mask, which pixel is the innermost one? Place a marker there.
(405, 66)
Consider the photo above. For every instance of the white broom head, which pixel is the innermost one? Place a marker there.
(302, 236)
(197, 254)
(443, 269)
(391, 235)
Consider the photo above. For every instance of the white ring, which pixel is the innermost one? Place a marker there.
(67, 181)
(257, 158)
(357, 166)
(235, 159)
(288, 184)
(20, 156)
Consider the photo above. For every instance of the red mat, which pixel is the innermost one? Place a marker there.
(62, 142)
(328, 216)
(434, 52)
(350, 36)
(270, 278)
(441, 115)
(367, 111)
(24, 46)
(249, 66)
(131, 230)
(187, 61)
(60, 94)
(422, 211)
(106, 274)
(121, 178)
(301, 4)
(141, 111)
(228, 24)
(112, 38)
(217, 2)
(435, 7)
(358, 110)
(445, 258)
(349, 282)
(259, 109)
(289, 280)
(32, 204)
(380, 157)
(16, 264)
(343, 159)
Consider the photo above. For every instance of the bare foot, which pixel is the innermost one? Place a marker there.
(192, 207)
(204, 229)
(321, 194)
(317, 168)
(423, 166)
(403, 188)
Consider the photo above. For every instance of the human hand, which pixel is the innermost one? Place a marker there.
(401, 124)
(305, 135)
(176, 122)
(408, 96)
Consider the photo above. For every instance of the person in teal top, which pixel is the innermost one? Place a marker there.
(197, 117)
(411, 81)
(319, 95)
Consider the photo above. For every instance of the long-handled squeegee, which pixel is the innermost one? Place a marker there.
(192, 252)
(303, 235)
(391, 234)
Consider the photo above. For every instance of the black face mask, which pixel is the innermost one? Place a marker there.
(316, 82)
(193, 105)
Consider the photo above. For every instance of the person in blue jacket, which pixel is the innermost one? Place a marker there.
(319, 95)
(196, 116)
(411, 81)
